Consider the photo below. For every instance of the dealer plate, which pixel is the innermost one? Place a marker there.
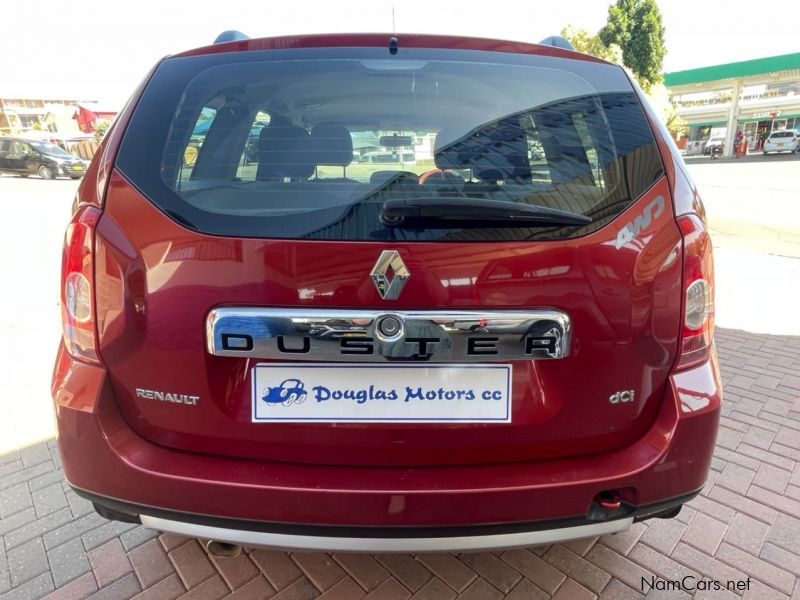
(348, 393)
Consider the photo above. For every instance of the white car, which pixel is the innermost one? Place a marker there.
(782, 141)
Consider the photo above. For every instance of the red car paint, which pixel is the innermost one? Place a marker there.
(155, 282)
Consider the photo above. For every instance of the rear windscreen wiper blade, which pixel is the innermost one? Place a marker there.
(461, 212)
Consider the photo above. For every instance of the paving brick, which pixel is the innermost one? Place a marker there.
(259, 589)
(542, 573)
(210, 589)
(10, 467)
(494, 570)
(617, 566)
(127, 587)
(481, 590)
(663, 534)
(777, 501)
(109, 562)
(736, 478)
(757, 568)
(747, 533)
(742, 504)
(449, 569)
(578, 568)
(236, 571)
(320, 568)
(623, 541)
(170, 541)
(33, 455)
(582, 546)
(616, 590)
(772, 478)
(705, 533)
(658, 564)
(761, 591)
(15, 499)
(527, 590)
(72, 529)
(17, 520)
(49, 499)
(43, 481)
(82, 587)
(79, 506)
(35, 588)
(572, 590)
(765, 457)
(25, 475)
(109, 530)
(435, 589)
(150, 563)
(759, 437)
(704, 564)
(68, 561)
(8, 457)
(38, 528)
(411, 573)
(191, 563)
(166, 589)
(301, 589)
(27, 561)
(277, 567)
(363, 568)
(136, 537)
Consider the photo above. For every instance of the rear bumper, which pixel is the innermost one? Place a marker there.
(190, 493)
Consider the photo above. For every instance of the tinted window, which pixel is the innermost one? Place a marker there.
(310, 143)
(782, 134)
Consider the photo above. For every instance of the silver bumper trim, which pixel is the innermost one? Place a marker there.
(380, 336)
(354, 544)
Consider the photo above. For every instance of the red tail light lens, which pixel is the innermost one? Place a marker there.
(77, 285)
(697, 334)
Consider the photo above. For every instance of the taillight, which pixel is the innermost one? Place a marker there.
(697, 334)
(77, 286)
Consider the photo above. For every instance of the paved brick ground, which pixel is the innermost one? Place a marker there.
(745, 523)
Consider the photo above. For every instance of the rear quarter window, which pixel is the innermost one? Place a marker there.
(309, 144)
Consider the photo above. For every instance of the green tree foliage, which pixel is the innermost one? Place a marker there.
(590, 43)
(635, 26)
(100, 129)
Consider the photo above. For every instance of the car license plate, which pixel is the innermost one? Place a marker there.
(77, 168)
(348, 393)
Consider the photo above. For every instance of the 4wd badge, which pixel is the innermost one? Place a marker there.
(390, 275)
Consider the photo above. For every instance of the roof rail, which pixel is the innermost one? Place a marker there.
(231, 35)
(557, 41)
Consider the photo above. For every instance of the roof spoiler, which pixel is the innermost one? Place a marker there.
(231, 35)
(557, 41)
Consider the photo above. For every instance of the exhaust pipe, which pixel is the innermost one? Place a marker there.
(223, 549)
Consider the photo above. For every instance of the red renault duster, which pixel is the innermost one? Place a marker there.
(387, 293)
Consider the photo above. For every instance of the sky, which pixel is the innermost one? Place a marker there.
(100, 49)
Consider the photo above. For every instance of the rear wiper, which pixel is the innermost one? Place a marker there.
(446, 212)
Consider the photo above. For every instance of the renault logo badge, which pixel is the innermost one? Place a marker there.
(390, 275)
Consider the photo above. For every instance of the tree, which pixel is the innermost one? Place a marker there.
(100, 129)
(635, 26)
(590, 43)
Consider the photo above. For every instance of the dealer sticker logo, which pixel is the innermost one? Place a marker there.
(341, 393)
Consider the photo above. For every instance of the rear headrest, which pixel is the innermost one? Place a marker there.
(284, 151)
(499, 151)
(332, 145)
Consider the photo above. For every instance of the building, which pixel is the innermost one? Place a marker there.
(62, 120)
(755, 97)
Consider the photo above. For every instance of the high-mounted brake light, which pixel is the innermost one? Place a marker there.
(77, 284)
(697, 334)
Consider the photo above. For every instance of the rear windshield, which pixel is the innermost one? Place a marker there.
(309, 144)
(782, 134)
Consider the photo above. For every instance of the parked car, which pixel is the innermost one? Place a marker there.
(715, 145)
(23, 157)
(489, 360)
(782, 141)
